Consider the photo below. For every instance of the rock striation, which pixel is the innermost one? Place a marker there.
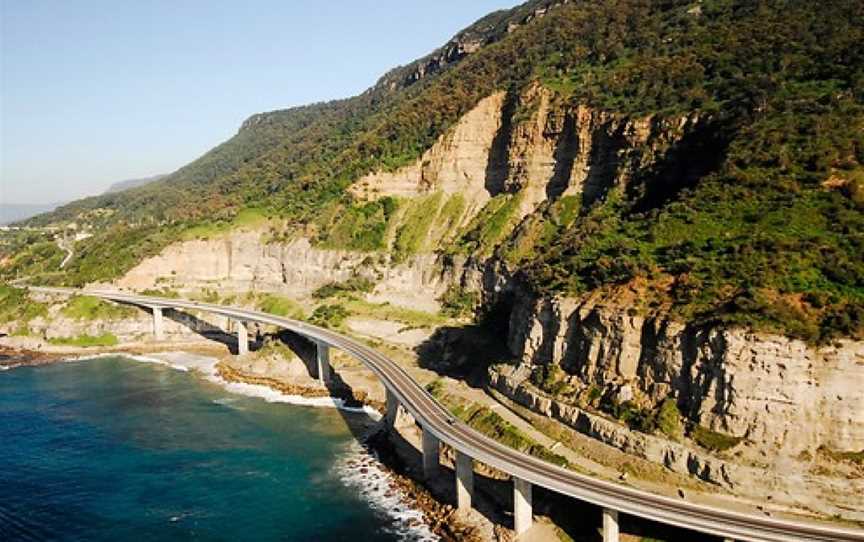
(244, 260)
(776, 391)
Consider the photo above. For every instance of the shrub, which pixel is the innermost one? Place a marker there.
(280, 306)
(357, 226)
(329, 316)
(355, 284)
(16, 305)
(92, 308)
(493, 425)
(414, 229)
(458, 303)
(550, 378)
(669, 419)
(436, 387)
(712, 440)
(852, 457)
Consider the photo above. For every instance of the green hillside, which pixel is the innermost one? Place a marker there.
(763, 226)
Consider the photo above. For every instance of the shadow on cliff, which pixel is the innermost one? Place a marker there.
(701, 150)
(498, 161)
(466, 352)
(203, 328)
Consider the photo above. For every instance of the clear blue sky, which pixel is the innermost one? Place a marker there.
(98, 91)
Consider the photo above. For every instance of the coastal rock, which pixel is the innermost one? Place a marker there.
(780, 393)
(794, 484)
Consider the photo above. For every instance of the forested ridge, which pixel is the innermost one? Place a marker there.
(768, 234)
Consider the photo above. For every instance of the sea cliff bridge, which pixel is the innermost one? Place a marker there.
(438, 426)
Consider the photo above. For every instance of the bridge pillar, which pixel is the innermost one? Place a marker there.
(242, 338)
(158, 328)
(396, 416)
(392, 408)
(522, 506)
(464, 481)
(323, 358)
(431, 448)
(610, 525)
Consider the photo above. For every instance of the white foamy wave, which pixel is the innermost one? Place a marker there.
(206, 366)
(88, 357)
(157, 361)
(360, 469)
(274, 396)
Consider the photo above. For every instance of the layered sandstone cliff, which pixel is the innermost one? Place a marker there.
(243, 261)
(782, 393)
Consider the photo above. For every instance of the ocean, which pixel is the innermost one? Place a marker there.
(111, 449)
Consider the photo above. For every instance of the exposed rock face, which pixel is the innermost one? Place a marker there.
(778, 392)
(243, 260)
(535, 145)
(786, 482)
(457, 163)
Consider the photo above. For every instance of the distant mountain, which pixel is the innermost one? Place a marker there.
(132, 183)
(12, 212)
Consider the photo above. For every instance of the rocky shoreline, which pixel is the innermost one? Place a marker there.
(349, 397)
(21, 357)
(439, 517)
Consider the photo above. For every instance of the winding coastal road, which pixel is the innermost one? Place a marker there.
(433, 417)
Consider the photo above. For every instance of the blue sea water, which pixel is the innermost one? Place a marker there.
(109, 449)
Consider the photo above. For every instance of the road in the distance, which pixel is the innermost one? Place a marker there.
(433, 417)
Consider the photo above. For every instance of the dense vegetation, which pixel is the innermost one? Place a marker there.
(762, 226)
(774, 235)
(16, 305)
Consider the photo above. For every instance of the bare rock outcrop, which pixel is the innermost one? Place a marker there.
(788, 483)
(457, 163)
(242, 261)
(779, 392)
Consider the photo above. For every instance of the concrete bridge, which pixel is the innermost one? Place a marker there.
(438, 426)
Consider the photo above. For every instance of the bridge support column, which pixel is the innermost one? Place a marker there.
(242, 338)
(396, 416)
(158, 328)
(523, 514)
(464, 481)
(323, 357)
(392, 408)
(431, 448)
(610, 525)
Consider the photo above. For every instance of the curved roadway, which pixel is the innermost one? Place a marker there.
(433, 417)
